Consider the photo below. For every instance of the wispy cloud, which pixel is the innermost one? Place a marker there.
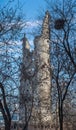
(26, 24)
(33, 24)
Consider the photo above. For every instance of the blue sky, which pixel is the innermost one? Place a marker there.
(31, 8)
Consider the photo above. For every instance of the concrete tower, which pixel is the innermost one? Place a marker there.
(41, 111)
(25, 87)
(43, 75)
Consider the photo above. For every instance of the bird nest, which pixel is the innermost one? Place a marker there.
(59, 24)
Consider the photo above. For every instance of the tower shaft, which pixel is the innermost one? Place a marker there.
(43, 75)
(41, 111)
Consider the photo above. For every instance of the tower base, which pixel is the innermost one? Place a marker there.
(38, 127)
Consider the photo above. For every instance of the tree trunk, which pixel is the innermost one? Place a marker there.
(7, 125)
(61, 116)
(25, 127)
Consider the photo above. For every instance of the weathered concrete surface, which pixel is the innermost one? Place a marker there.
(41, 111)
(43, 76)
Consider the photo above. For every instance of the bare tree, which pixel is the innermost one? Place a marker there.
(62, 78)
(64, 27)
(70, 110)
(63, 49)
(4, 109)
(10, 28)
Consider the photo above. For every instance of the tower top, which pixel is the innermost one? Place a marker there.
(26, 44)
(47, 13)
(46, 25)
